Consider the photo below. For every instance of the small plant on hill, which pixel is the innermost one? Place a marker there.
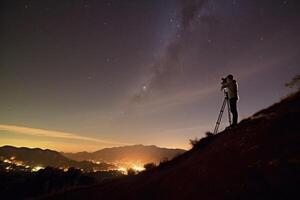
(131, 172)
(149, 166)
(164, 160)
(200, 143)
(295, 82)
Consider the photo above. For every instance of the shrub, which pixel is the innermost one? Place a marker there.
(200, 143)
(149, 166)
(295, 82)
(194, 142)
(164, 160)
(131, 172)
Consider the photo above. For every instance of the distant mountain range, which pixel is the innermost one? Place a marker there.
(44, 158)
(128, 154)
(105, 159)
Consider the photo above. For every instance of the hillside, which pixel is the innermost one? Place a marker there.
(128, 154)
(44, 158)
(259, 159)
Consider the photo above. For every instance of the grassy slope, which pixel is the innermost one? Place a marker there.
(260, 159)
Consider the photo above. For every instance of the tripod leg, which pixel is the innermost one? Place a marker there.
(229, 115)
(220, 116)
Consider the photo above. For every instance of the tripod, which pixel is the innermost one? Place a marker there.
(225, 101)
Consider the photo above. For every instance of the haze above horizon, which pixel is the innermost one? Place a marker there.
(85, 75)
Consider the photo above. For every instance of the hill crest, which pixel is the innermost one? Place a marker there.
(259, 159)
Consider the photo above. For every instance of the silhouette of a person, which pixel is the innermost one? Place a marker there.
(232, 90)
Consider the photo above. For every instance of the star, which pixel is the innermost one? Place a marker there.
(144, 88)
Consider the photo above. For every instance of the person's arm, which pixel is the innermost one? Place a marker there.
(224, 85)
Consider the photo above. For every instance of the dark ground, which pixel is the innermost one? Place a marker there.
(259, 159)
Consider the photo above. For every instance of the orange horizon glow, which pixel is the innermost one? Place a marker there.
(70, 142)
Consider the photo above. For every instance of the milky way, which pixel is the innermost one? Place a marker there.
(165, 69)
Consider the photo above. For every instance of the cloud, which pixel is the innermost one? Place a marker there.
(53, 134)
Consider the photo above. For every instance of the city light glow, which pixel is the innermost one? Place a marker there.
(37, 168)
(138, 168)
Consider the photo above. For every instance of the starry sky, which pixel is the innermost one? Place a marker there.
(87, 74)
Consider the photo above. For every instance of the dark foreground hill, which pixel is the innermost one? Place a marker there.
(44, 158)
(134, 153)
(259, 159)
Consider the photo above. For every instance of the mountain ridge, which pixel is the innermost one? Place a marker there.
(129, 153)
(47, 157)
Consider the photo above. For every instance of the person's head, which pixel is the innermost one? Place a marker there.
(230, 77)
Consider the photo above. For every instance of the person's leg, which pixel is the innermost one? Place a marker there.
(233, 109)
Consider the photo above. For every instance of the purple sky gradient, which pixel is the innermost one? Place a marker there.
(128, 72)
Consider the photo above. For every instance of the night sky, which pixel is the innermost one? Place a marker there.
(83, 75)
